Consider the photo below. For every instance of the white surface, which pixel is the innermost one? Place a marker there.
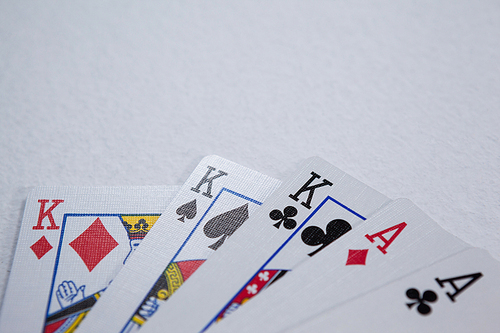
(402, 95)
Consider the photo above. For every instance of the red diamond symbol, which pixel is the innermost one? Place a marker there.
(356, 257)
(94, 244)
(41, 247)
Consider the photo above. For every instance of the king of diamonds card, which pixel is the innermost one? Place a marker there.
(72, 242)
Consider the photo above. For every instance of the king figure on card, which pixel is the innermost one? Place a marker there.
(73, 302)
(74, 240)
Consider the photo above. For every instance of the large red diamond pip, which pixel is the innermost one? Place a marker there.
(94, 244)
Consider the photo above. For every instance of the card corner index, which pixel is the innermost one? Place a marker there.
(35, 191)
(313, 160)
(210, 158)
(400, 205)
(405, 202)
(321, 165)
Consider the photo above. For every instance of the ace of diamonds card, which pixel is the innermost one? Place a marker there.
(72, 242)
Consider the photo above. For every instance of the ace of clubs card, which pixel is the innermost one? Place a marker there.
(72, 242)
(457, 294)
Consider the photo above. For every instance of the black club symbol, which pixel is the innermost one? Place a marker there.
(427, 296)
(284, 217)
(141, 224)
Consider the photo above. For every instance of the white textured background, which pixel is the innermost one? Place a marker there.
(403, 95)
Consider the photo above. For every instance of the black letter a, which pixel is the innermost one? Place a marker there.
(473, 278)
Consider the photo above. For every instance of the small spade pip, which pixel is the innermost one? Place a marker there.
(187, 210)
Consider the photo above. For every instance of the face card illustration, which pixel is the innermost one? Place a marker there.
(397, 240)
(458, 294)
(73, 241)
(228, 211)
(213, 204)
(305, 216)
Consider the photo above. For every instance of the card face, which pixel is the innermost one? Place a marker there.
(397, 240)
(72, 243)
(307, 214)
(458, 294)
(215, 202)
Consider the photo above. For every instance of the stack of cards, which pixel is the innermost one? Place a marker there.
(320, 251)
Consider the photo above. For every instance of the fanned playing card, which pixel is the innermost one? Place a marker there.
(397, 240)
(72, 243)
(215, 202)
(458, 294)
(304, 217)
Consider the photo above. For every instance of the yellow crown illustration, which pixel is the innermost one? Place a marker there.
(138, 225)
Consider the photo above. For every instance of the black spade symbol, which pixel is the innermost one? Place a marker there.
(225, 225)
(188, 210)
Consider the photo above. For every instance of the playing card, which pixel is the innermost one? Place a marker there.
(215, 202)
(397, 240)
(72, 242)
(310, 211)
(458, 294)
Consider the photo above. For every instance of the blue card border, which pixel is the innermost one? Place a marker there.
(61, 236)
(281, 247)
(224, 189)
